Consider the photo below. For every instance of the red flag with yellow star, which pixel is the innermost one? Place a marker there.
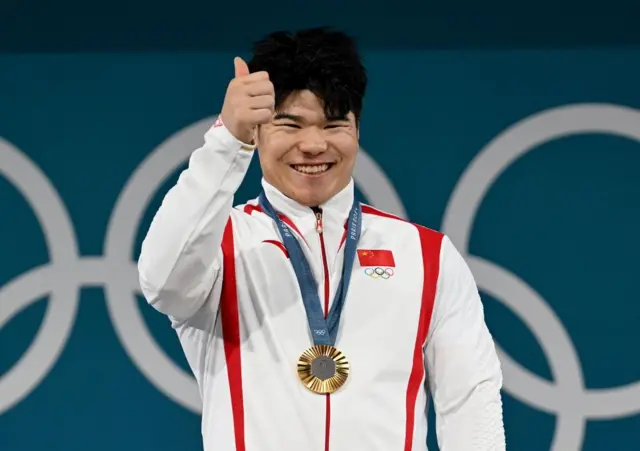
(376, 257)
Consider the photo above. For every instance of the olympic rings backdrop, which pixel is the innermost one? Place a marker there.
(528, 160)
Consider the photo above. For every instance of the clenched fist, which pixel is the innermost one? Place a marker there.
(249, 102)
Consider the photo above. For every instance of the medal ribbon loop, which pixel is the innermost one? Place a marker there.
(324, 331)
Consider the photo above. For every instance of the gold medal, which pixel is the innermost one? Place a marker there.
(323, 369)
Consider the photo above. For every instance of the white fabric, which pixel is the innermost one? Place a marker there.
(181, 274)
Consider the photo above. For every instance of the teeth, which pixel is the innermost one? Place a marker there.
(311, 169)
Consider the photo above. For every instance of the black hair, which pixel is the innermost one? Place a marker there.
(321, 60)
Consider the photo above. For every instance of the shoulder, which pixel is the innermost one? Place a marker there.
(388, 220)
(248, 220)
(250, 207)
(432, 243)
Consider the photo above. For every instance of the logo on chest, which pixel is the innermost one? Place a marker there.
(377, 263)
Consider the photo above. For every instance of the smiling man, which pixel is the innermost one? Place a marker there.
(309, 320)
(323, 165)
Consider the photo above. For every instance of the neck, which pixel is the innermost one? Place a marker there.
(339, 205)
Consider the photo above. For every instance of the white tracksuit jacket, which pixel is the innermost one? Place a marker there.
(224, 279)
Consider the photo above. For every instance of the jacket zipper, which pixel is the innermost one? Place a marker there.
(319, 226)
(325, 272)
(325, 266)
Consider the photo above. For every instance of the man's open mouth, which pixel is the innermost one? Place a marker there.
(312, 169)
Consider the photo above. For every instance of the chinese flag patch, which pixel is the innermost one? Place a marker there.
(376, 257)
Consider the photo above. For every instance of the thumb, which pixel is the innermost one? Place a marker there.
(240, 66)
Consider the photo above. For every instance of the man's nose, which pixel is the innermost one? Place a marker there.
(313, 142)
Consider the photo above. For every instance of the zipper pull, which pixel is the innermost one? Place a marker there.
(319, 222)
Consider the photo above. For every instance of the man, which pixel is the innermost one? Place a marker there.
(312, 322)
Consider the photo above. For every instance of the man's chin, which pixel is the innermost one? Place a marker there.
(311, 197)
(312, 201)
(311, 192)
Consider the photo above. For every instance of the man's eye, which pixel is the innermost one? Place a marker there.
(290, 125)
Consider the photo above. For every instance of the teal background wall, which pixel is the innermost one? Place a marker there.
(525, 153)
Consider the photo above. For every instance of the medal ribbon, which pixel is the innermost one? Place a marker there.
(323, 330)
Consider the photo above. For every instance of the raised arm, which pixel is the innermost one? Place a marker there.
(465, 377)
(180, 260)
(181, 255)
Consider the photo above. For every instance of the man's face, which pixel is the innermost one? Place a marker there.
(304, 154)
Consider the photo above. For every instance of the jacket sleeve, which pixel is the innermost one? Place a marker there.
(181, 257)
(465, 376)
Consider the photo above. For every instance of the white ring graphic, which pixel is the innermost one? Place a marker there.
(22, 291)
(116, 271)
(566, 396)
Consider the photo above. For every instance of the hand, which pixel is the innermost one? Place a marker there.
(249, 102)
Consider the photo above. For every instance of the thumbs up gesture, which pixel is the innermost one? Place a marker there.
(249, 102)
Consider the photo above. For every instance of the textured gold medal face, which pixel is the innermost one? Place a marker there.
(323, 369)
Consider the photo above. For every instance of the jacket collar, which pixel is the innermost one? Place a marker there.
(335, 211)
